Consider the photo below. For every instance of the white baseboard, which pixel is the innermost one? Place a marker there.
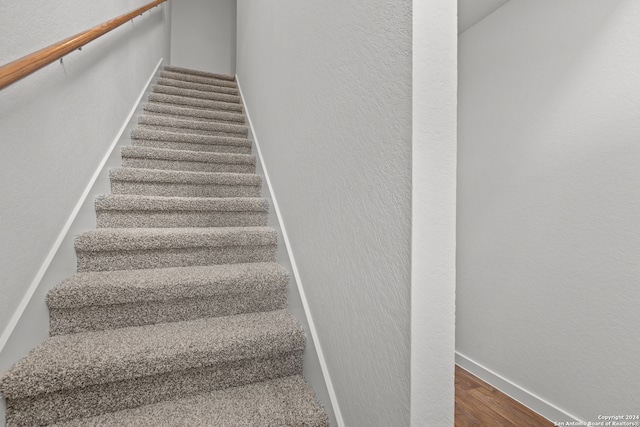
(60, 261)
(528, 399)
(296, 276)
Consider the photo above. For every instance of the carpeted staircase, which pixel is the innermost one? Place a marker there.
(178, 313)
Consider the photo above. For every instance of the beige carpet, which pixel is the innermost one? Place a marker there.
(177, 315)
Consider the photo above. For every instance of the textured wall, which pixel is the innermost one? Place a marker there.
(433, 222)
(203, 35)
(549, 237)
(328, 85)
(57, 124)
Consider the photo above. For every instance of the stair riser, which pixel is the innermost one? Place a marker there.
(207, 148)
(139, 219)
(182, 84)
(209, 96)
(134, 260)
(191, 131)
(186, 165)
(98, 399)
(195, 103)
(98, 318)
(183, 190)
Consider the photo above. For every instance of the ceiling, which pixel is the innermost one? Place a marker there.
(472, 11)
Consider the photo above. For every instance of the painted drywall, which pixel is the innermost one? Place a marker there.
(548, 230)
(433, 219)
(56, 127)
(314, 365)
(328, 84)
(470, 12)
(203, 35)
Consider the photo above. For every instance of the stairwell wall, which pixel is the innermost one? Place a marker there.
(548, 202)
(55, 128)
(203, 35)
(328, 85)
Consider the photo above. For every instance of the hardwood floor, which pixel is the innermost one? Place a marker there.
(479, 404)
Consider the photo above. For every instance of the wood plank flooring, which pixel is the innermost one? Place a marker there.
(480, 405)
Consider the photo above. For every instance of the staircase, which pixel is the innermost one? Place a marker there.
(178, 313)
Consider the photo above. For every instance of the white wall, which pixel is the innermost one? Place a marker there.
(328, 86)
(548, 229)
(203, 35)
(433, 220)
(55, 128)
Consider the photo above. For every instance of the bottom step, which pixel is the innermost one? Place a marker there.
(280, 402)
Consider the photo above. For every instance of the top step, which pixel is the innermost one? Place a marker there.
(200, 73)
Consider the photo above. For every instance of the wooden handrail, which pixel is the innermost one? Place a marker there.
(20, 68)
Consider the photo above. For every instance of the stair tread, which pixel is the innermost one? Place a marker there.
(190, 71)
(132, 239)
(163, 284)
(162, 135)
(193, 78)
(78, 360)
(197, 90)
(184, 177)
(182, 111)
(214, 86)
(191, 93)
(153, 119)
(282, 402)
(187, 155)
(128, 202)
(194, 102)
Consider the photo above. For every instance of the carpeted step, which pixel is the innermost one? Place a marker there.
(176, 316)
(136, 248)
(94, 301)
(180, 83)
(91, 373)
(190, 93)
(192, 126)
(134, 211)
(191, 72)
(190, 142)
(160, 158)
(193, 113)
(193, 78)
(283, 402)
(152, 182)
(195, 102)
